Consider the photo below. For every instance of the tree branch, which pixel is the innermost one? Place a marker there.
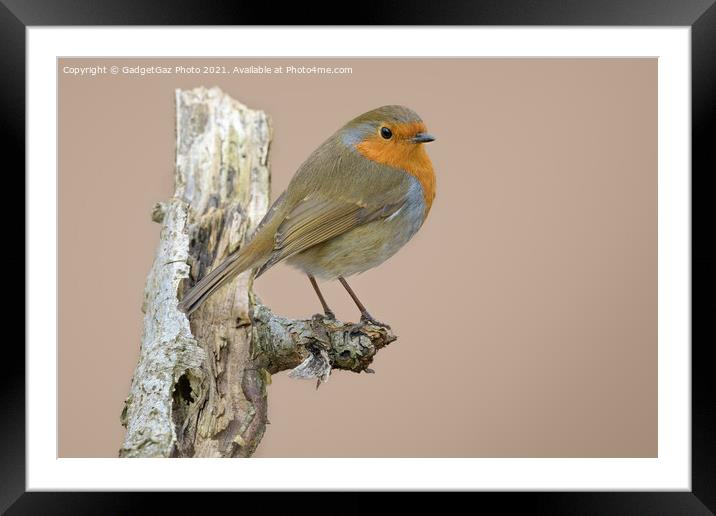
(311, 348)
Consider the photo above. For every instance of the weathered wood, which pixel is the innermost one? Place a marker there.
(199, 389)
(168, 349)
(312, 348)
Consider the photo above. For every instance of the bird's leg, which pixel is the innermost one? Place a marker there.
(365, 317)
(326, 310)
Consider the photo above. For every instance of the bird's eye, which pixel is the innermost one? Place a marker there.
(386, 133)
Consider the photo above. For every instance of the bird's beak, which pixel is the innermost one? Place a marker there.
(422, 138)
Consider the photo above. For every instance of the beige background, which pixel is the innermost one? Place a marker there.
(526, 307)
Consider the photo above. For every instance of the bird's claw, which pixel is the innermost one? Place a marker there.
(366, 319)
(357, 327)
(329, 316)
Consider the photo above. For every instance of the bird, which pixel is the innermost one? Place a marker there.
(352, 204)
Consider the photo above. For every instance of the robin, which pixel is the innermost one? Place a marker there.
(351, 205)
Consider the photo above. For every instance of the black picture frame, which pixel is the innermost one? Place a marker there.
(700, 15)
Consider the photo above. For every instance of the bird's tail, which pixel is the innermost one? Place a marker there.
(234, 264)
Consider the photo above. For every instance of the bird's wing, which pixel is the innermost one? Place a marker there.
(318, 218)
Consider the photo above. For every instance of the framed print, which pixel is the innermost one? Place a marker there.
(487, 222)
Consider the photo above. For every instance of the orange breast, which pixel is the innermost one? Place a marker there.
(404, 155)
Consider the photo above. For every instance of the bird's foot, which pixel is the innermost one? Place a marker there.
(366, 319)
(356, 328)
(365, 323)
(328, 315)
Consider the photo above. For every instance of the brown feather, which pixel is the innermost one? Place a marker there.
(249, 256)
(333, 192)
(316, 220)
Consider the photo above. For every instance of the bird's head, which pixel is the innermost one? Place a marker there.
(389, 135)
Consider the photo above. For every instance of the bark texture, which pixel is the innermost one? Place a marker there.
(199, 389)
